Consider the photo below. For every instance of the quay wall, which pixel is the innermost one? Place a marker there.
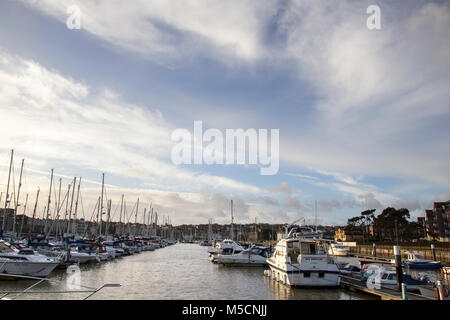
(387, 251)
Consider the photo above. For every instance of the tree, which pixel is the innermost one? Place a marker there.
(392, 223)
(367, 216)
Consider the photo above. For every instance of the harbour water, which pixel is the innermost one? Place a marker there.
(181, 271)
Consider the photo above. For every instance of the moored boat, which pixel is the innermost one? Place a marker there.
(416, 261)
(301, 260)
(25, 261)
(254, 256)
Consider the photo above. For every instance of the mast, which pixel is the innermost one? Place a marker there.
(143, 227)
(30, 230)
(23, 216)
(135, 216)
(101, 204)
(67, 208)
(58, 208)
(48, 204)
(17, 200)
(315, 213)
(74, 225)
(71, 204)
(149, 219)
(5, 216)
(108, 209)
(121, 210)
(232, 220)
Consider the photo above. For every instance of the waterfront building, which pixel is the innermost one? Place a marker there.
(436, 222)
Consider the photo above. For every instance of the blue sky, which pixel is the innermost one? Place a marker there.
(363, 114)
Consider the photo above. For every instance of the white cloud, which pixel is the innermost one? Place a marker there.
(381, 92)
(283, 187)
(56, 120)
(172, 29)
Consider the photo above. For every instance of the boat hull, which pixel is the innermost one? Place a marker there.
(418, 265)
(306, 277)
(33, 269)
(239, 261)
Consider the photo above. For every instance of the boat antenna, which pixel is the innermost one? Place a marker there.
(232, 219)
(315, 213)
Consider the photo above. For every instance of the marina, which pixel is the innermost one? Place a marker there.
(181, 271)
(214, 158)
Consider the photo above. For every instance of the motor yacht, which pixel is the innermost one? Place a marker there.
(254, 256)
(337, 249)
(384, 278)
(25, 261)
(300, 259)
(227, 246)
(415, 260)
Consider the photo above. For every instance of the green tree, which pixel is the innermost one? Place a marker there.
(392, 223)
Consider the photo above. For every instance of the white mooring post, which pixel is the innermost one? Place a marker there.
(404, 292)
(440, 288)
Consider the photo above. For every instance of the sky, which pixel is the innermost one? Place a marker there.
(362, 114)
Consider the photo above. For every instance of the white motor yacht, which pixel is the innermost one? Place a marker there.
(337, 249)
(225, 247)
(25, 261)
(254, 256)
(114, 247)
(303, 261)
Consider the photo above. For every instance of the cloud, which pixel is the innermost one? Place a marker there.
(370, 201)
(411, 205)
(328, 205)
(366, 82)
(67, 125)
(173, 30)
(292, 203)
(284, 187)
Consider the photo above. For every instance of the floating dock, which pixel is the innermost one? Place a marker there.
(383, 293)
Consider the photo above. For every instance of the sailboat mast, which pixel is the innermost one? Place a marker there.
(135, 217)
(23, 216)
(232, 220)
(101, 204)
(48, 204)
(34, 213)
(71, 204)
(74, 225)
(121, 210)
(5, 216)
(315, 213)
(108, 217)
(17, 200)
